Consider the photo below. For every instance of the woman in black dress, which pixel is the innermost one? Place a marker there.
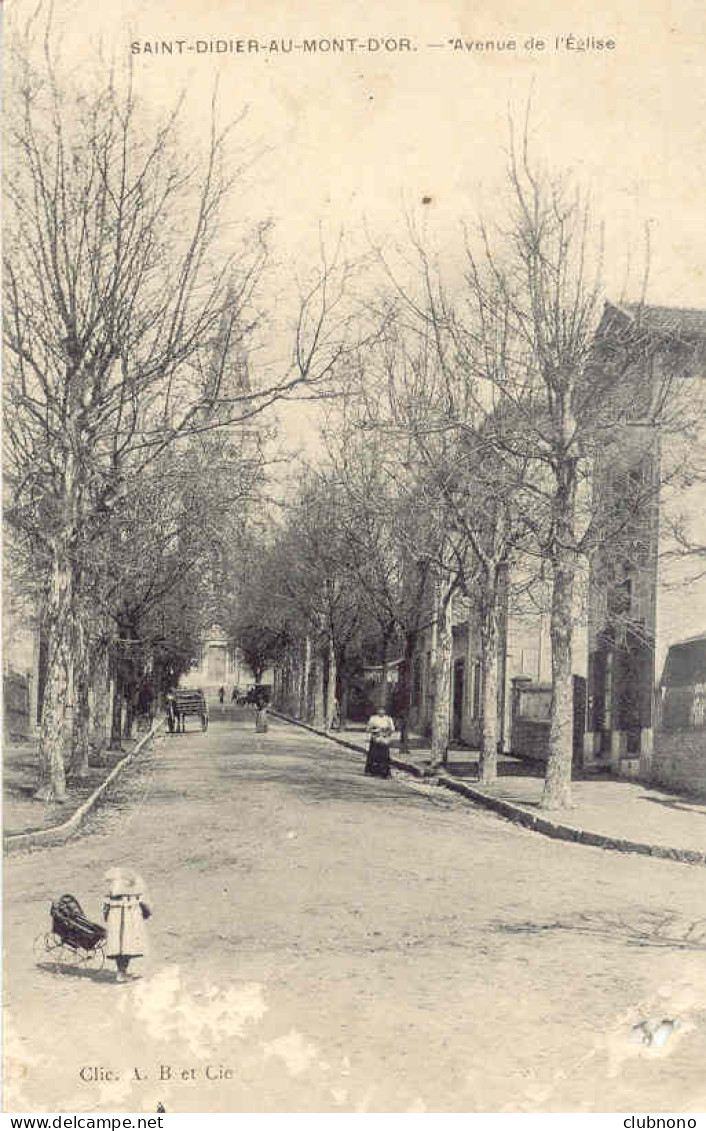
(381, 729)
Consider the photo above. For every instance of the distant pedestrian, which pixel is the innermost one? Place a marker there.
(221, 694)
(381, 729)
(261, 717)
(336, 716)
(145, 701)
(171, 711)
(125, 908)
(234, 695)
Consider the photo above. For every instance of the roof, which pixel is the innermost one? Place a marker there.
(686, 663)
(687, 323)
(690, 639)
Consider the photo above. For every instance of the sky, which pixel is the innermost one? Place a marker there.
(355, 140)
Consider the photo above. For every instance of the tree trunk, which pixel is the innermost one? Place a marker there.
(116, 731)
(100, 679)
(331, 686)
(319, 719)
(129, 711)
(431, 673)
(54, 734)
(441, 714)
(291, 685)
(385, 644)
(81, 684)
(304, 688)
(405, 691)
(295, 689)
(343, 704)
(280, 683)
(488, 766)
(557, 784)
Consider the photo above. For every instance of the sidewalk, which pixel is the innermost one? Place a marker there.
(23, 816)
(608, 812)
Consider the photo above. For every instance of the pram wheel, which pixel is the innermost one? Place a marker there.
(79, 957)
(68, 957)
(40, 946)
(94, 959)
(45, 944)
(49, 947)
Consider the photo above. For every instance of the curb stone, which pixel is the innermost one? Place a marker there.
(520, 816)
(59, 834)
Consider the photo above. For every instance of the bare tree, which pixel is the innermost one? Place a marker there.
(384, 518)
(436, 375)
(561, 395)
(400, 397)
(126, 320)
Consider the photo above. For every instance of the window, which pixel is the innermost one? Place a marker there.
(698, 707)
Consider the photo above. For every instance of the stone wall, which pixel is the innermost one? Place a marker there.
(531, 707)
(530, 739)
(679, 760)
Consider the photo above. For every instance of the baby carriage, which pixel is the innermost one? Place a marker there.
(73, 940)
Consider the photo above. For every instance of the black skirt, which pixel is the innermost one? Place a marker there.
(378, 761)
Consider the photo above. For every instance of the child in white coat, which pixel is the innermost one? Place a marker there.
(125, 908)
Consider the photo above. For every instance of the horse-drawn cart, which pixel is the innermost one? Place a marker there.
(185, 701)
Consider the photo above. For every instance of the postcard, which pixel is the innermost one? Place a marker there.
(354, 628)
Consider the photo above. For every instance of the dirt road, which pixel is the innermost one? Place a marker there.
(327, 942)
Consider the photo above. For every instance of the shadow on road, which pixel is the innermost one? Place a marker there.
(649, 929)
(674, 803)
(328, 779)
(506, 769)
(59, 971)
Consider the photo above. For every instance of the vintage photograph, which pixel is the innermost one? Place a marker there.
(354, 558)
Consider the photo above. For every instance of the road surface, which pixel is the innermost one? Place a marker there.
(327, 942)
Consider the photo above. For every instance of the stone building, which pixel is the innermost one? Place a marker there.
(679, 756)
(647, 584)
(219, 665)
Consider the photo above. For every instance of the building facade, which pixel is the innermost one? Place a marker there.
(648, 582)
(645, 588)
(218, 665)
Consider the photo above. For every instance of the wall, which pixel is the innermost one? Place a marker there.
(679, 760)
(681, 580)
(530, 718)
(529, 736)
